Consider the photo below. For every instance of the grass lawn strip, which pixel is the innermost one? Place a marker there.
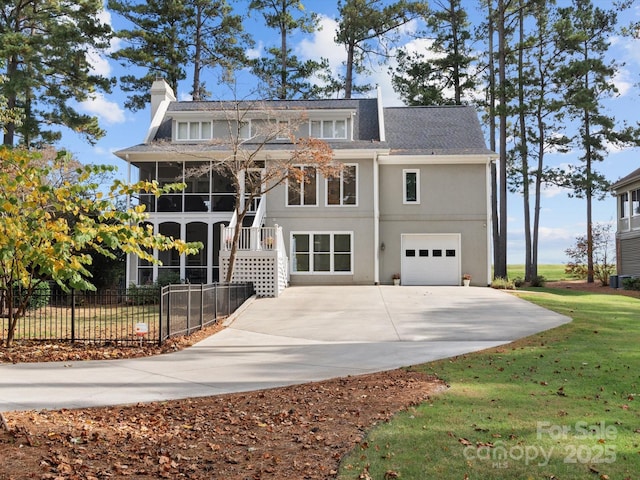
(561, 404)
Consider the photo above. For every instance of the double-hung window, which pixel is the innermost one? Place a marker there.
(322, 252)
(635, 202)
(303, 192)
(411, 186)
(342, 190)
(194, 130)
(328, 129)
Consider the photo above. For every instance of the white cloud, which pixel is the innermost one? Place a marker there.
(107, 111)
(99, 63)
(322, 45)
(253, 53)
(550, 191)
(623, 81)
(558, 234)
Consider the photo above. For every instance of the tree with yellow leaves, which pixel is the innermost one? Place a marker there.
(48, 228)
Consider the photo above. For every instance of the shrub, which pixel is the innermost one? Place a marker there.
(143, 294)
(168, 278)
(538, 281)
(631, 283)
(502, 284)
(40, 297)
(518, 282)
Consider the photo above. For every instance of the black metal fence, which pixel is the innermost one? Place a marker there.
(126, 317)
(187, 308)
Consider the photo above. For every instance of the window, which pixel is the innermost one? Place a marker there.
(194, 131)
(320, 253)
(343, 189)
(635, 202)
(303, 193)
(624, 205)
(245, 130)
(284, 130)
(411, 186)
(328, 129)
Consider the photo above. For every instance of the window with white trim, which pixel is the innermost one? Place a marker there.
(244, 130)
(342, 190)
(303, 192)
(194, 130)
(411, 186)
(322, 252)
(635, 202)
(328, 129)
(284, 130)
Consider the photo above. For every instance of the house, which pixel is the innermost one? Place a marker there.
(413, 197)
(627, 192)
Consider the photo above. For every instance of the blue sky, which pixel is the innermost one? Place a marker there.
(562, 218)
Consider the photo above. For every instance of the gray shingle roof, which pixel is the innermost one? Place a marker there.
(632, 177)
(448, 130)
(441, 130)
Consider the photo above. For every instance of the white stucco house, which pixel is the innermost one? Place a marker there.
(413, 199)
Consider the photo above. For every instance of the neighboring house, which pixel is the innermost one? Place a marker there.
(627, 191)
(413, 198)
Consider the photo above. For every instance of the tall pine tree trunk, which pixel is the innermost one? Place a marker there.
(500, 267)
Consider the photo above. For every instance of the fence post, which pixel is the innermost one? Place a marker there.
(189, 309)
(161, 295)
(168, 287)
(73, 315)
(215, 301)
(201, 305)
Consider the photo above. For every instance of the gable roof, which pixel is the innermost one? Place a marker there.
(435, 130)
(631, 178)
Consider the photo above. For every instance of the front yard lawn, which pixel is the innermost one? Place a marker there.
(562, 404)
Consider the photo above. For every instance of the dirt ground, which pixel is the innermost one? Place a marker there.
(581, 285)
(298, 432)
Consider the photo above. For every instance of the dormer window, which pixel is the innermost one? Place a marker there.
(328, 129)
(194, 130)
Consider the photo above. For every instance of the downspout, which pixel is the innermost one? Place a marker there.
(488, 223)
(376, 192)
(376, 220)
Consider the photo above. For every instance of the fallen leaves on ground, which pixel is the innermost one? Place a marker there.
(297, 432)
(31, 351)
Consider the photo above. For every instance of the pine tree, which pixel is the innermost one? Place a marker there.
(586, 80)
(367, 29)
(172, 38)
(45, 48)
(426, 81)
(282, 73)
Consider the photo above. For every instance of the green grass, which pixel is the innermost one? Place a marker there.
(551, 273)
(561, 404)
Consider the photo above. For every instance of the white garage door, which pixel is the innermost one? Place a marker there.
(431, 259)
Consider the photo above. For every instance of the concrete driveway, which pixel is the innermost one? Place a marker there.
(307, 334)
